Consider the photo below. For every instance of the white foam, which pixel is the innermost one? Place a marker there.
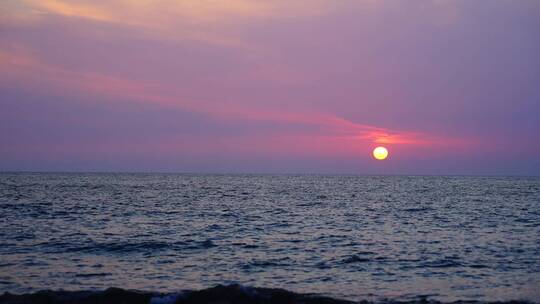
(166, 299)
(252, 292)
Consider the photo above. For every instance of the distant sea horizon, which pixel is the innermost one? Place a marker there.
(263, 173)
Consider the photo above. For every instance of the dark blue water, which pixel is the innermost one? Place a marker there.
(452, 238)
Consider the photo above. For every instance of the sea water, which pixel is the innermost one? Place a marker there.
(352, 237)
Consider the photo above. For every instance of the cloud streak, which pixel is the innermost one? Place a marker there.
(24, 67)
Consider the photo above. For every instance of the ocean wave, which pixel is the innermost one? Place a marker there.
(125, 247)
(355, 258)
(231, 294)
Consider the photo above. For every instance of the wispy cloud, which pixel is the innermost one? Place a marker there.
(23, 68)
(213, 22)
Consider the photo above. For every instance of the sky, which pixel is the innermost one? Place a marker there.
(249, 86)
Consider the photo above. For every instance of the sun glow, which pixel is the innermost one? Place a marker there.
(380, 153)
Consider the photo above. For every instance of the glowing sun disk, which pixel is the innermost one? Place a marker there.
(380, 153)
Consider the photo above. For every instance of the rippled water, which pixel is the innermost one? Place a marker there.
(351, 237)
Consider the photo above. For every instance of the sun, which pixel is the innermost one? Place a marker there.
(380, 153)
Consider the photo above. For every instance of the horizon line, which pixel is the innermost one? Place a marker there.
(263, 173)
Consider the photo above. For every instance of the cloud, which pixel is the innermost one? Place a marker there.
(22, 68)
(215, 22)
(71, 9)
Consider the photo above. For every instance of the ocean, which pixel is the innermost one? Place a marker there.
(349, 237)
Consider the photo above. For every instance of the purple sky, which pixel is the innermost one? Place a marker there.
(304, 86)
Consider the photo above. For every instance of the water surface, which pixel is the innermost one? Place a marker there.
(451, 238)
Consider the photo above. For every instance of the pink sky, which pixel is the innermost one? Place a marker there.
(306, 86)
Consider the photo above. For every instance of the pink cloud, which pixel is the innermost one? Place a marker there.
(27, 69)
